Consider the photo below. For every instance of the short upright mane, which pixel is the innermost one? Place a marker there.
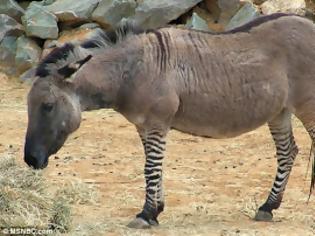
(72, 52)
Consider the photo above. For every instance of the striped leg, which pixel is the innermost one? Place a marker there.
(287, 150)
(154, 146)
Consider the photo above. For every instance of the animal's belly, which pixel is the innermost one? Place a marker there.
(205, 116)
(211, 131)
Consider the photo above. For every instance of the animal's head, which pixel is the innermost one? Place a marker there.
(53, 113)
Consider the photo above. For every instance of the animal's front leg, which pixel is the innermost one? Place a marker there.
(154, 202)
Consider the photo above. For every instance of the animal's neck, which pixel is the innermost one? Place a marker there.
(97, 90)
(100, 81)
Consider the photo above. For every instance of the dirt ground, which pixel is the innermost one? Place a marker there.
(212, 187)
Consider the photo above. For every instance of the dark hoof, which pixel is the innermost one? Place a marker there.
(263, 216)
(139, 223)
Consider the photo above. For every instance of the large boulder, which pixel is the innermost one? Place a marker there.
(27, 53)
(91, 25)
(28, 77)
(72, 10)
(153, 13)
(197, 22)
(9, 26)
(39, 22)
(273, 6)
(230, 6)
(259, 2)
(213, 8)
(109, 13)
(11, 8)
(7, 54)
(247, 13)
(228, 9)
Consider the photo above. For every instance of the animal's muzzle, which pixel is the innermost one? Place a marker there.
(35, 158)
(35, 162)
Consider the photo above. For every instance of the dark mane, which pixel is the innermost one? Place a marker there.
(256, 22)
(250, 25)
(71, 52)
(54, 56)
(114, 36)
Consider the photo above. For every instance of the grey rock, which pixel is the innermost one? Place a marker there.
(90, 26)
(49, 43)
(247, 13)
(7, 54)
(11, 8)
(213, 8)
(229, 5)
(27, 53)
(110, 13)
(9, 26)
(47, 2)
(198, 23)
(228, 9)
(273, 6)
(24, 4)
(72, 10)
(259, 2)
(153, 13)
(310, 14)
(39, 22)
(28, 77)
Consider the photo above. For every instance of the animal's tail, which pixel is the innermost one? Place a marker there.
(312, 161)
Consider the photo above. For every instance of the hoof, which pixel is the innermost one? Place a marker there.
(263, 216)
(139, 223)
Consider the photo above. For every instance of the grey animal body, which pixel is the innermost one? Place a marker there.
(212, 85)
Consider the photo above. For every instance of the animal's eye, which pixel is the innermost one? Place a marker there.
(47, 107)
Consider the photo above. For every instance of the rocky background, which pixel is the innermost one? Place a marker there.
(30, 29)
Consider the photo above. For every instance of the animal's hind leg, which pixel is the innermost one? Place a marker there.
(281, 131)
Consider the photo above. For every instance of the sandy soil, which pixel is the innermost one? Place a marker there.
(212, 186)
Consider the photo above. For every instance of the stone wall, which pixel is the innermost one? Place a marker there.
(29, 30)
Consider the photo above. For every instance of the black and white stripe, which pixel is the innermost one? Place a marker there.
(154, 147)
(286, 151)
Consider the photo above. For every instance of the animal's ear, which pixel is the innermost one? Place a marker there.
(68, 70)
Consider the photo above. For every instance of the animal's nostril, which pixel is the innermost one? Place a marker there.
(31, 160)
(36, 161)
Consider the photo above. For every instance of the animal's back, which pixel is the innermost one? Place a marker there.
(232, 83)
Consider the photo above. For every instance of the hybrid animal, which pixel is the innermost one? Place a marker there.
(211, 85)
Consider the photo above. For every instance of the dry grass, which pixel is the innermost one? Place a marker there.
(250, 207)
(27, 201)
